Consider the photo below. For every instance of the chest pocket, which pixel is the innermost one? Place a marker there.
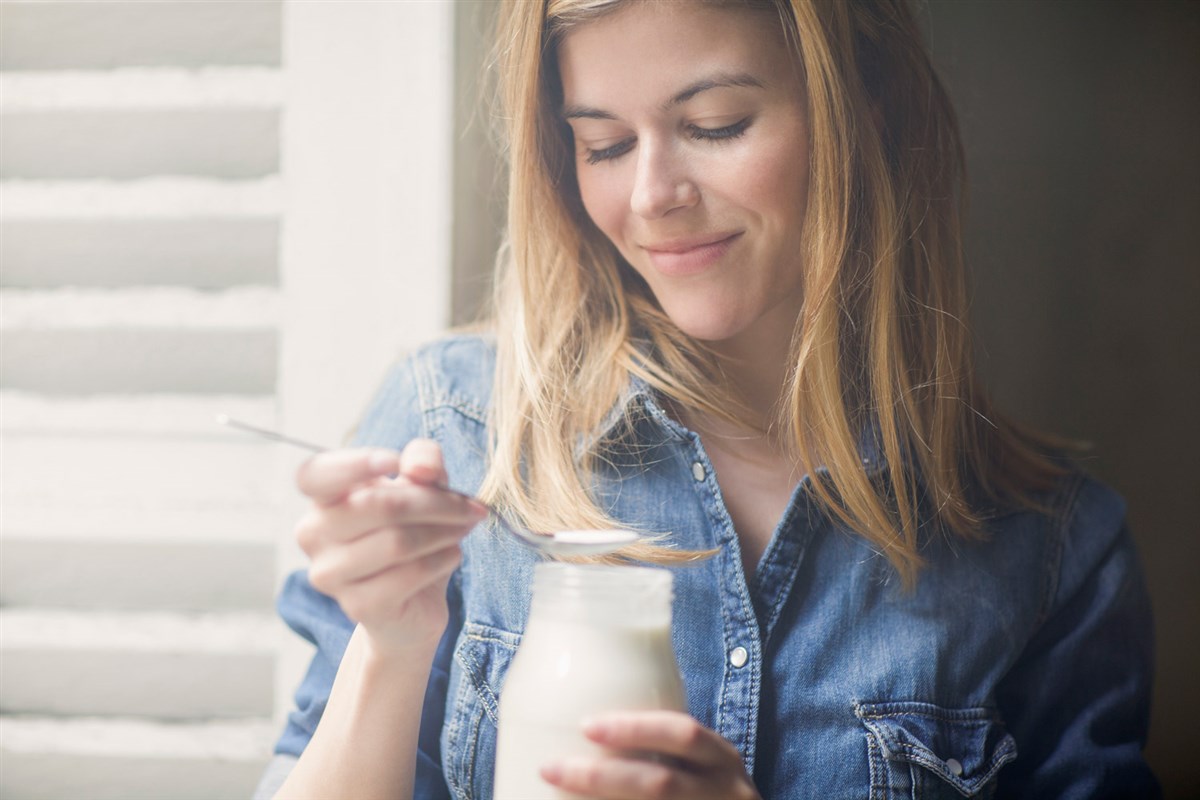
(920, 750)
(481, 660)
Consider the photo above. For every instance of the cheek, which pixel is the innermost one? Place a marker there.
(604, 200)
(777, 188)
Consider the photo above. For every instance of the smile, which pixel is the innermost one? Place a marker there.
(680, 257)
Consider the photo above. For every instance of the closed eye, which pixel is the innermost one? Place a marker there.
(718, 134)
(595, 156)
(608, 153)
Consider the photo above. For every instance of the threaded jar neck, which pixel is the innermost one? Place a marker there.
(602, 594)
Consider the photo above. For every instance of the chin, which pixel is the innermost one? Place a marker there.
(706, 327)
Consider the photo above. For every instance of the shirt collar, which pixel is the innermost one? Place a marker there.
(639, 398)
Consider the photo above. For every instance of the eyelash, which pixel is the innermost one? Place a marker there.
(701, 134)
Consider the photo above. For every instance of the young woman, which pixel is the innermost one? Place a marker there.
(730, 312)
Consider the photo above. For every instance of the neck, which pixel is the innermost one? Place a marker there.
(757, 367)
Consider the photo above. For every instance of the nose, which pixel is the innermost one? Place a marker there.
(662, 183)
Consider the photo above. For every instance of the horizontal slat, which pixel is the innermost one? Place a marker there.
(156, 685)
(165, 308)
(154, 573)
(119, 519)
(214, 253)
(102, 360)
(130, 144)
(71, 485)
(147, 198)
(104, 35)
(242, 740)
(65, 776)
(163, 666)
(133, 88)
(144, 415)
(142, 632)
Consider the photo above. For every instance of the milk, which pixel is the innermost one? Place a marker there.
(598, 639)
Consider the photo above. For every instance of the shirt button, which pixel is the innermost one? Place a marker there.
(738, 656)
(697, 470)
(954, 766)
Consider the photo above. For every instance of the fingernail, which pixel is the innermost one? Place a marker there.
(594, 728)
(478, 508)
(551, 773)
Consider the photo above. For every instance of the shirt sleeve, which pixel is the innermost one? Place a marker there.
(1078, 700)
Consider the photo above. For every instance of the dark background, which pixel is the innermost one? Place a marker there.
(1082, 126)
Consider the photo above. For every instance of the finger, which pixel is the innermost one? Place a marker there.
(421, 462)
(378, 551)
(386, 593)
(328, 477)
(402, 502)
(390, 504)
(621, 779)
(671, 733)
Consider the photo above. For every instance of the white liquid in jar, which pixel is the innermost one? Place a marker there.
(582, 655)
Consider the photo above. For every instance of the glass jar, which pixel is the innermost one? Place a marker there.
(598, 639)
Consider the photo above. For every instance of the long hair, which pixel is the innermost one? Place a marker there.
(880, 351)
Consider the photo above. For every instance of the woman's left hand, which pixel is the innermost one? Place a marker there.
(694, 762)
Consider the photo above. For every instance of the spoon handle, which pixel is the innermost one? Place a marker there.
(276, 436)
(230, 422)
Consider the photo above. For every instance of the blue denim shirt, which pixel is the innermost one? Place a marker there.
(1020, 666)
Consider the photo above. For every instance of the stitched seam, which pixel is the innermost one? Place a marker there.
(1063, 513)
(791, 569)
(471, 751)
(462, 405)
(452, 737)
(876, 769)
(479, 682)
(424, 383)
(939, 717)
(477, 637)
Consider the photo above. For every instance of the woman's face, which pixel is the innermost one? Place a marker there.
(691, 151)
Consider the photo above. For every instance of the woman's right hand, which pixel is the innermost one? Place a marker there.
(384, 547)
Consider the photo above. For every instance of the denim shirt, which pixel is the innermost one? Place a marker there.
(1020, 666)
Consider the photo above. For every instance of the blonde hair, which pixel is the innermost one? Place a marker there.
(880, 347)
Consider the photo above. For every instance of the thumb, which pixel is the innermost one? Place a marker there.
(421, 462)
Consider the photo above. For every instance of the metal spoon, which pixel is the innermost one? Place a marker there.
(563, 543)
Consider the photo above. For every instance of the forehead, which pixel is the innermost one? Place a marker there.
(646, 48)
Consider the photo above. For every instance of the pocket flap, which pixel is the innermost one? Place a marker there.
(963, 746)
(485, 653)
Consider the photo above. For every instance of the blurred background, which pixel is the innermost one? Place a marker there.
(253, 207)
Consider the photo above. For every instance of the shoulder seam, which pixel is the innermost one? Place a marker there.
(1058, 524)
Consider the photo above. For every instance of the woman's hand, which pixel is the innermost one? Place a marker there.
(384, 547)
(693, 762)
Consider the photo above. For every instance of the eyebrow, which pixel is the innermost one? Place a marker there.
(719, 81)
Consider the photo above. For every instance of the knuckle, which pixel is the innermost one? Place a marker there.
(691, 733)
(397, 546)
(304, 476)
(397, 502)
(588, 774)
(352, 607)
(307, 534)
(746, 792)
(660, 783)
(321, 577)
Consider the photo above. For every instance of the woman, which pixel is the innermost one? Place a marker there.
(730, 313)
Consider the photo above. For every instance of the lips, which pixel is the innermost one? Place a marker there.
(679, 257)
